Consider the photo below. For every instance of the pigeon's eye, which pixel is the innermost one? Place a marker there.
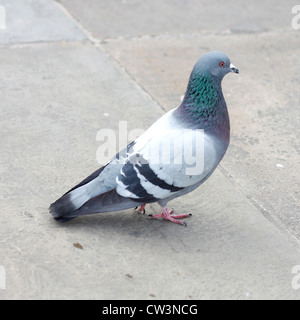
(222, 64)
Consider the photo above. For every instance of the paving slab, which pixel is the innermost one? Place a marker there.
(263, 101)
(35, 21)
(54, 102)
(112, 19)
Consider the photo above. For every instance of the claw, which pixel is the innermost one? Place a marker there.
(166, 214)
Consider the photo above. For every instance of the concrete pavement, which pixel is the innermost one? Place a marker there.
(70, 69)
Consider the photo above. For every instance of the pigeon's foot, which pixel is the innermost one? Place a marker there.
(167, 215)
(141, 209)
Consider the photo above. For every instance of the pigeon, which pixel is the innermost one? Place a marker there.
(172, 158)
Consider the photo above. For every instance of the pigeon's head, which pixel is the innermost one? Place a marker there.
(215, 63)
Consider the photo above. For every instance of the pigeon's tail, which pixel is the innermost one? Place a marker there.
(91, 195)
(76, 197)
(64, 210)
(64, 206)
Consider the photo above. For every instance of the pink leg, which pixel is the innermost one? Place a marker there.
(166, 214)
(141, 209)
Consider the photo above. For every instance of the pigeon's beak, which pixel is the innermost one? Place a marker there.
(233, 68)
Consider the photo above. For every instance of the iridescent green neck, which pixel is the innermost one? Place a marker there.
(204, 106)
(202, 96)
